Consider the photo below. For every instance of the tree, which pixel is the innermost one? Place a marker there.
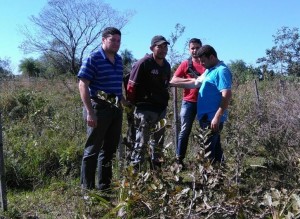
(174, 57)
(5, 69)
(284, 57)
(128, 60)
(66, 30)
(241, 72)
(50, 67)
(29, 67)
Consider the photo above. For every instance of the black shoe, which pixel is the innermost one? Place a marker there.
(155, 164)
(180, 162)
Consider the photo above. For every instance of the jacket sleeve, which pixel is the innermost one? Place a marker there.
(133, 83)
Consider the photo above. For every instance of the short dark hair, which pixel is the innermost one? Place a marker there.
(110, 31)
(207, 51)
(195, 40)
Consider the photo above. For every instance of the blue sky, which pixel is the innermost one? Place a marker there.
(238, 29)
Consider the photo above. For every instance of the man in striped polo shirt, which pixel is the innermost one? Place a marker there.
(100, 77)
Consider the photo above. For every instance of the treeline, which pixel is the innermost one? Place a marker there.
(66, 31)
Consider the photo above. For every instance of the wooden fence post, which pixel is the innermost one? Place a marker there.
(2, 174)
(256, 92)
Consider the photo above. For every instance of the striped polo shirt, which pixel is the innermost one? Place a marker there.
(102, 74)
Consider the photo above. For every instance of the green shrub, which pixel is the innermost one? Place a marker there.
(44, 133)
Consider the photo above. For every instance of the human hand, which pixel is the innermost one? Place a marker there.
(91, 120)
(199, 80)
(214, 125)
(127, 106)
(125, 103)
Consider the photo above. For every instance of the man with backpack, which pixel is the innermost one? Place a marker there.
(190, 68)
(148, 90)
(213, 99)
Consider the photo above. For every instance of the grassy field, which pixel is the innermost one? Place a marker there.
(43, 136)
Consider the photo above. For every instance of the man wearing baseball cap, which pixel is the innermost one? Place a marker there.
(147, 90)
(158, 40)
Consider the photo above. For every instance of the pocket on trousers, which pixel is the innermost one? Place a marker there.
(101, 110)
(100, 107)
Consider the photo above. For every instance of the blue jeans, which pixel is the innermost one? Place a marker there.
(145, 121)
(187, 117)
(100, 147)
(214, 142)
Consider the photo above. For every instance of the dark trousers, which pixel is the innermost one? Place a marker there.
(100, 147)
(145, 120)
(214, 142)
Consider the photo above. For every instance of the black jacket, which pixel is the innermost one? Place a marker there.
(149, 82)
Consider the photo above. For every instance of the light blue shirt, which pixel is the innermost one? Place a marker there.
(216, 79)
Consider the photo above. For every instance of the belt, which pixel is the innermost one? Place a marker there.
(115, 103)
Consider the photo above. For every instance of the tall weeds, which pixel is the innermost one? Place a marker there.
(44, 133)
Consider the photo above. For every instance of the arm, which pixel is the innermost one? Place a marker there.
(182, 82)
(226, 96)
(86, 99)
(180, 78)
(187, 82)
(134, 79)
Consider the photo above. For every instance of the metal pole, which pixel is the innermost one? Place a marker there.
(175, 107)
(2, 174)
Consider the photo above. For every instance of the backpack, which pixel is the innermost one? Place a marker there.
(191, 70)
(126, 78)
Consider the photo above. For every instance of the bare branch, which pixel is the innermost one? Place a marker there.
(71, 28)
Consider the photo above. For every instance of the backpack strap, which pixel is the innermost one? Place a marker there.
(191, 70)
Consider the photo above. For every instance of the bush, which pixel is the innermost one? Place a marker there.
(44, 133)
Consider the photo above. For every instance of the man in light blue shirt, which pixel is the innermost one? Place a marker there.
(213, 99)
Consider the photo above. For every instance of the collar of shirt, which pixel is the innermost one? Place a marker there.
(103, 54)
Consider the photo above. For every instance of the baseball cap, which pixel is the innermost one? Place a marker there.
(158, 40)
